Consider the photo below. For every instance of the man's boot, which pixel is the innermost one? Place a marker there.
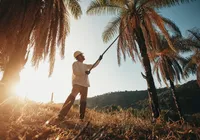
(82, 109)
(66, 107)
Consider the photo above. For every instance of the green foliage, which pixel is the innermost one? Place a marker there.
(188, 97)
(124, 99)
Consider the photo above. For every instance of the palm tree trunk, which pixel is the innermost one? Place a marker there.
(175, 98)
(11, 75)
(148, 75)
(13, 68)
(17, 60)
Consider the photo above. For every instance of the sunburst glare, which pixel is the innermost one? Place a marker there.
(19, 90)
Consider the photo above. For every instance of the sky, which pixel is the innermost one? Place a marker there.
(86, 36)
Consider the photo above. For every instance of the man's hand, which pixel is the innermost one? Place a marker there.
(87, 72)
(100, 57)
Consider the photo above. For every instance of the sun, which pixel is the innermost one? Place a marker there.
(19, 90)
(35, 85)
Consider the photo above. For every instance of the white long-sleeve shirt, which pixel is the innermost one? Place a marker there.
(79, 77)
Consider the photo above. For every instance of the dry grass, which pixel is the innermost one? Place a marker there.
(26, 120)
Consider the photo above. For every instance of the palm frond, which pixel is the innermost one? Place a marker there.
(191, 43)
(160, 24)
(167, 62)
(185, 45)
(122, 43)
(54, 28)
(165, 3)
(156, 69)
(195, 34)
(152, 33)
(111, 29)
(99, 7)
(64, 28)
(74, 7)
(178, 70)
(172, 26)
(127, 31)
(164, 71)
(119, 2)
(158, 76)
(190, 66)
(120, 50)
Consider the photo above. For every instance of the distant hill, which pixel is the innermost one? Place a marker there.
(188, 95)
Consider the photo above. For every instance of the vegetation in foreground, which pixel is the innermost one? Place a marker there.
(22, 120)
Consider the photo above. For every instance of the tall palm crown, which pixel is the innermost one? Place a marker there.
(129, 15)
(166, 62)
(192, 64)
(39, 24)
(167, 66)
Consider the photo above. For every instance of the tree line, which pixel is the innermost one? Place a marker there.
(188, 97)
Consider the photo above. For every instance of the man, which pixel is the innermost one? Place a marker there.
(80, 83)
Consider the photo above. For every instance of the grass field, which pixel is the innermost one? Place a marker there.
(26, 120)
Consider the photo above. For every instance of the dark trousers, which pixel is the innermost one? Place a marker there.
(71, 98)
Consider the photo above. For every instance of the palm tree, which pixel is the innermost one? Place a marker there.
(40, 25)
(137, 22)
(166, 65)
(192, 64)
